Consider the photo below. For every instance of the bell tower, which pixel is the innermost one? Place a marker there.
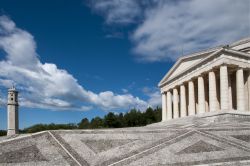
(12, 108)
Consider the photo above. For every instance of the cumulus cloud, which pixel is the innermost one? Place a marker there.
(192, 25)
(168, 27)
(154, 96)
(44, 85)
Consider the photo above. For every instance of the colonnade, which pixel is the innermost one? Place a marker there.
(223, 89)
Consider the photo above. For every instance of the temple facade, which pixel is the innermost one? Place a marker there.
(217, 79)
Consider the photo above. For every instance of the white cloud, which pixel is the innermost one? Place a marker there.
(124, 90)
(154, 96)
(166, 27)
(43, 85)
(2, 100)
(117, 11)
(192, 25)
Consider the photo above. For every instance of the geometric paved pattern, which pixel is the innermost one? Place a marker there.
(103, 145)
(27, 154)
(200, 146)
(222, 139)
(245, 138)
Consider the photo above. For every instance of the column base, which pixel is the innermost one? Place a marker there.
(12, 132)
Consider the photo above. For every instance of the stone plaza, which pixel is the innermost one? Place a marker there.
(215, 139)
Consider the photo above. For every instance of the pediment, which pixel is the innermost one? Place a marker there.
(184, 63)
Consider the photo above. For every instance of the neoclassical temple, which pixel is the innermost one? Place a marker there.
(216, 79)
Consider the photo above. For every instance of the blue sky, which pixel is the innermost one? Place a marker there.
(83, 58)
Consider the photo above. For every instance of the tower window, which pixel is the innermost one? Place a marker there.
(11, 99)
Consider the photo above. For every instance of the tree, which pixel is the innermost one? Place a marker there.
(133, 118)
(43, 127)
(112, 121)
(158, 112)
(35, 128)
(121, 120)
(97, 122)
(84, 124)
(3, 133)
(149, 116)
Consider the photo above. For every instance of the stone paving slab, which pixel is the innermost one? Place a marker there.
(211, 140)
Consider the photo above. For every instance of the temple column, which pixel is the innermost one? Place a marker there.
(224, 88)
(240, 94)
(175, 101)
(183, 101)
(230, 96)
(213, 101)
(201, 95)
(164, 107)
(191, 98)
(169, 105)
(248, 83)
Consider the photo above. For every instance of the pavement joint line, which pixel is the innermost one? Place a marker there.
(151, 148)
(22, 136)
(224, 128)
(224, 140)
(223, 163)
(64, 149)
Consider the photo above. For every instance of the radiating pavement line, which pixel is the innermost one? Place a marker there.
(64, 148)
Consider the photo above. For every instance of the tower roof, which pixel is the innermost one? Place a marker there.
(13, 88)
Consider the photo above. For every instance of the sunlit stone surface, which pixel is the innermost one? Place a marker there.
(217, 138)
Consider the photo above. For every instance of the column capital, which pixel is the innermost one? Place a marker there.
(211, 71)
(223, 64)
(239, 67)
(243, 68)
(185, 82)
(193, 79)
(176, 87)
(164, 93)
(182, 84)
(202, 74)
